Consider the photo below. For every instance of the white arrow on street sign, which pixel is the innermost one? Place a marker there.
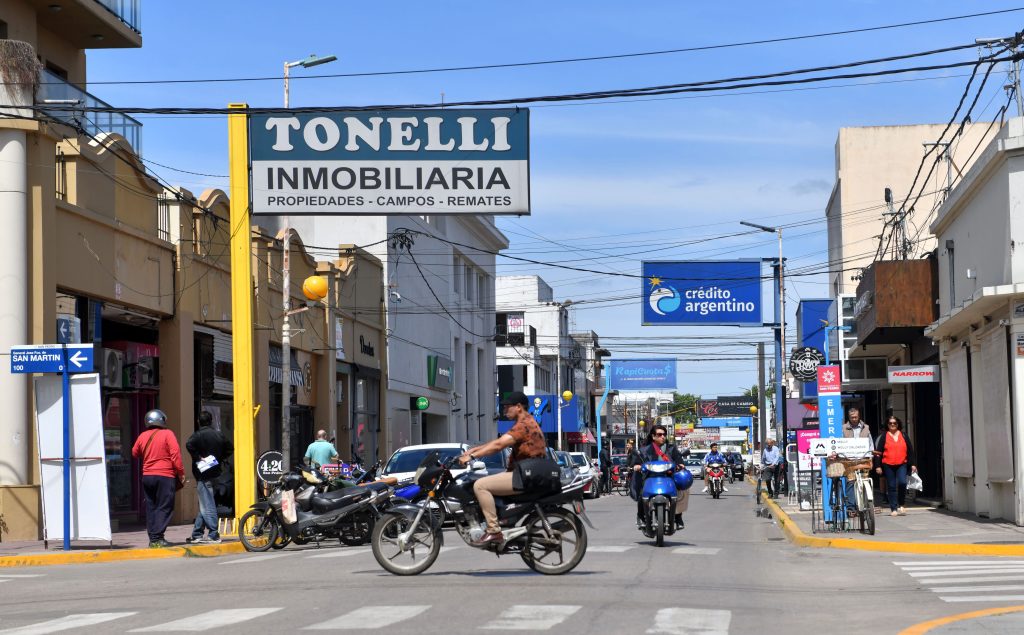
(64, 329)
(78, 358)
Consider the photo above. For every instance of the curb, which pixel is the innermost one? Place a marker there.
(796, 536)
(116, 555)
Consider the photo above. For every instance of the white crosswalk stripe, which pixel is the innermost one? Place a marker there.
(369, 617)
(260, 558)
(686, 621)
(531, 617)
(71, 622)
(696, 551)
(340, 553)
(609, 548)
(966, 580)
(220, 618)
(522, 617)
(22, 575)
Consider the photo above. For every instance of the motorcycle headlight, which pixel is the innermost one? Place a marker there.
(659, 467)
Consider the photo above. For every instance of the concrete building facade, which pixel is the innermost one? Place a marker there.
(980, 331)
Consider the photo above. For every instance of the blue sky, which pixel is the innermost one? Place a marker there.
(615, 181)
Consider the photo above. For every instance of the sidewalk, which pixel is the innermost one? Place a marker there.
(132, 544)
(925, 529)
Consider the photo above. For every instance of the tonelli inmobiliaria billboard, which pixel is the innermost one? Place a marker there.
(390, 162)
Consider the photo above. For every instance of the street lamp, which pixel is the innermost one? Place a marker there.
(286, 304)
(309, 62)
(780, 356)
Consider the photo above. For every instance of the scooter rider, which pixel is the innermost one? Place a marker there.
(714, 456)
(527, 442)
(655, 448)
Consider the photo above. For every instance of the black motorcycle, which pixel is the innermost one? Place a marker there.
(347, 514)
(545, 529)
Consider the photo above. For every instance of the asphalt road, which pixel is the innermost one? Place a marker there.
(727, 572)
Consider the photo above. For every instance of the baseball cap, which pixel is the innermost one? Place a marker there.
(515, 398)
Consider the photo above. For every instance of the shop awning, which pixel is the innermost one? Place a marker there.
(275, 374)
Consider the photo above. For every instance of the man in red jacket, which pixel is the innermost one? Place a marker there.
(162, 474)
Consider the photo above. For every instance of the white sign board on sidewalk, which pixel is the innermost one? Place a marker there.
(851, 448)
(90, 511)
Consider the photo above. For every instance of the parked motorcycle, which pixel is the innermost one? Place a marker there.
(715, 475)
(347, 514)
(660, 494)
(546, 530)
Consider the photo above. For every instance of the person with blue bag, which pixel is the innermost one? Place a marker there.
(657, 448)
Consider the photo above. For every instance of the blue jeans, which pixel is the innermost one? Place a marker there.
(207, 511)
(895, 484)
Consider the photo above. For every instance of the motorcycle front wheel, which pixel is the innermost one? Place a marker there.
(659, 526)
(257, 531)
(417, 556)
(563, 550)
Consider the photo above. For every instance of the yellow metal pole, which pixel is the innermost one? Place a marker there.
(241, 309)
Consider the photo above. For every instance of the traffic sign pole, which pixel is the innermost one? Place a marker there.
(66, 403)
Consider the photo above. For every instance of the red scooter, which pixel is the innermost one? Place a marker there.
(715, 478)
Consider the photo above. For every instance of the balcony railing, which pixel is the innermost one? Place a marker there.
(127, 11)
(54, 88)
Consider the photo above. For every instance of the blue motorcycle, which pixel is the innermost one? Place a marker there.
(662, 485)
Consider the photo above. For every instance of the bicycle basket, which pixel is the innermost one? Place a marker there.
(853, 465)
(835, 469)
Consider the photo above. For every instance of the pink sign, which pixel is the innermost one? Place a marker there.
(830, 381)
(803, 447)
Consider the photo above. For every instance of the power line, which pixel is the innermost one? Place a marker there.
(751, 81)
(568, 60)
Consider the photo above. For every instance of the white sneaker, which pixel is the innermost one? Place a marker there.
(725, 489)
(704, 491)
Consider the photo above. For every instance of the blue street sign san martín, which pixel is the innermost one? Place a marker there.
(65, 359)
(49, 358)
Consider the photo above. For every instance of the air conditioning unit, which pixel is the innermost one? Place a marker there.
(112, 370)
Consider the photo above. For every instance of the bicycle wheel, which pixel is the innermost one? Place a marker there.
(256, 530)
(839, 510)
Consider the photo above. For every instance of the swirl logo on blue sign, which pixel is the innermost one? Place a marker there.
(664, 300)
(705, 292)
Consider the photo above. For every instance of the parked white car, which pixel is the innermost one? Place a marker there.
(404, 462)
(584, 468)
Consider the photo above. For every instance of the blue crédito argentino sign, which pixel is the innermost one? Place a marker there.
(391, 162)
(707, 292)
(642, 374)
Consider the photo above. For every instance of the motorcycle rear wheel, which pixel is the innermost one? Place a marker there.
(416, 557)
(547, 555)
(256, 531)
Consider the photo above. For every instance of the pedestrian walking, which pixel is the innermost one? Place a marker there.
(894, 455)
(209, 449)
(321, 451)
(771, 462)
(162, 474)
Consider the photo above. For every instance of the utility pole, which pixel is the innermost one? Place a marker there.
(762, 431)
(286, 293)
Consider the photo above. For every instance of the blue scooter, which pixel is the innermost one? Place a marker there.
(662, 486)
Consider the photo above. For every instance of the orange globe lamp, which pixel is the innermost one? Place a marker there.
(753, 410)
(315, 288)
(567, 395)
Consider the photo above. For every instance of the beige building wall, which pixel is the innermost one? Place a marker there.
(870, 159)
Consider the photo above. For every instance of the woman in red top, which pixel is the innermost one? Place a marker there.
(162, 473)
(893, 454)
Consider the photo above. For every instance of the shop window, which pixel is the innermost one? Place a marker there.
(365, 418)
(3, 30)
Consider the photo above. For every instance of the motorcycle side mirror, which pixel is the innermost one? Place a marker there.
(476, 466)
